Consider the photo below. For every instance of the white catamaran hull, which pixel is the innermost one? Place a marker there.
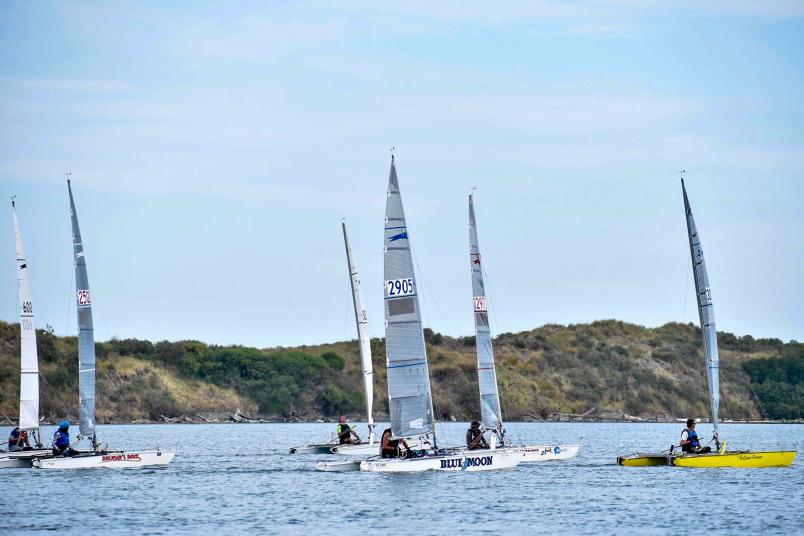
(370, 449)
(312, 449)
(341, 466)
(545, 453)
(111, 460)
(21, 459)
(484, 461)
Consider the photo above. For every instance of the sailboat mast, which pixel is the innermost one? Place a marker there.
(486, 371)
(361, 319)
(706, 314)
(86, 334)
(29, 362)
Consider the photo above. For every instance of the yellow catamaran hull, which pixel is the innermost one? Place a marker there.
(779, 458)
(644, 460)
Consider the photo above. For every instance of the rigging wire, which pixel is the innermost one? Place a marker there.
(432, 296)
(70, 297)
(687, 264)
(442, 430)
(346, 309)
(515, 428)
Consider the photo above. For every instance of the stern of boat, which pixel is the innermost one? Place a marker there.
(545, 453)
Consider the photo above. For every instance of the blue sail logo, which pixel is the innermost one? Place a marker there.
(399, 236)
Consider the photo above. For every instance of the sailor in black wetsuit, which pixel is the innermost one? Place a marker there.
(689, 440)
(474, 437)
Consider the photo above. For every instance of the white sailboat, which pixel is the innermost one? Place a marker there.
(490, 411)
(361, 319)
(370, 447)
(29, 364)
(409, 393)
(95, 457)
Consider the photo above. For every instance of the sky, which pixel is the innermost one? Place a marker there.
(215, 146)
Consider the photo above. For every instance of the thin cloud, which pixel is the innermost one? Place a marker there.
(72, 85)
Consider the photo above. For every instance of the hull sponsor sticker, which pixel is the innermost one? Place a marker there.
(121, 458)
(464, 463)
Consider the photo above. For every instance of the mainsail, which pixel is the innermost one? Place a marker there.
(410, 398)
(486, 372)
(29, 363)
(705, 311)
(362, 333)
(86, 336)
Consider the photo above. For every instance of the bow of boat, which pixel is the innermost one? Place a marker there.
(644, 459)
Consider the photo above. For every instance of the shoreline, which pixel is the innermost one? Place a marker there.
(334, 421)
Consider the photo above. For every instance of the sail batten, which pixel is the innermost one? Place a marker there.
(86, 335)
(486, 372)
(409, 395)
(29, 361)
(706, 313)
(361, 319)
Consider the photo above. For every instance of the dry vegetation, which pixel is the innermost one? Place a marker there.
(615, 367)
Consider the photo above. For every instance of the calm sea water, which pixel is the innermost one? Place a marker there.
(229, 478)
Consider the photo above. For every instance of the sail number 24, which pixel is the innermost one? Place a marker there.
(399, 287)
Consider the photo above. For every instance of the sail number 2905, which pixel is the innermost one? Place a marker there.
(399, 287)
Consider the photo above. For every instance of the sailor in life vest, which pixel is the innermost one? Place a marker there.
(345, 433)
(689, 440)
(61, 440)
(474, 437)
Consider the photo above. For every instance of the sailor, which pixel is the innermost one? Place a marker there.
(18, 440)
(474, 437)
(389, 448)
(345, 432)
(689, 440)
(61, 440)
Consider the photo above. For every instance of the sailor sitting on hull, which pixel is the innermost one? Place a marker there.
(474, 437)
(389, 448)
(345, 433)
(690, 443)
(61, 441)
(18, 440)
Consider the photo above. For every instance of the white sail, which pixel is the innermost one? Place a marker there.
(409, 395)
(29, 362)
(486, 371)
(706, 312)
(361, 319)
(86, 333)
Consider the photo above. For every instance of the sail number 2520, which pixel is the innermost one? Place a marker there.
(399, 287)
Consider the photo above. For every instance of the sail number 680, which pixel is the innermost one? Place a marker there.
(399, 287)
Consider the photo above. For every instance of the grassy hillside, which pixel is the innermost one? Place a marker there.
(609, 367)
